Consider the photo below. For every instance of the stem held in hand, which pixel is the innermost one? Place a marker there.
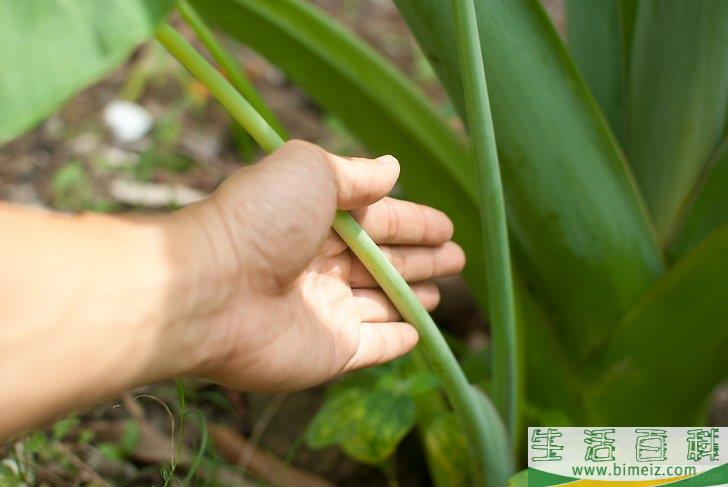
(465, 403)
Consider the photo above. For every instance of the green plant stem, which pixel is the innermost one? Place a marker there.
(441, 359)
(229, 65)
(240, 109)
(506, 370)
(432, 343)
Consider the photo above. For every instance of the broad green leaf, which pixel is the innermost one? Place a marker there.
(706, 208)
(576, 217)
(669, 351)
(53, 48)
(367, 423)
(678, 91)
(371, 97)
(595, 43)
(447, 450)
(338, 419)
(387, 419)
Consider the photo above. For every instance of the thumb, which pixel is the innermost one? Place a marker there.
(279, 211)
(357, 181)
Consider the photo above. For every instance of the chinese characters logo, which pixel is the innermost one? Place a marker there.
(544, 440)
(703, 443)
(651, 444)
(600, 446)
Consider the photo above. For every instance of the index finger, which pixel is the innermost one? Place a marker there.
(393, 221)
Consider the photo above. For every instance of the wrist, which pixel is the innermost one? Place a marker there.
(202, 272)
(152, 285)
(148, 297)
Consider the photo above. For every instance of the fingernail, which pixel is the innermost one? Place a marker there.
(388, 158)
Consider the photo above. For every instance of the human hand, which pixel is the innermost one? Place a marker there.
(278, 302)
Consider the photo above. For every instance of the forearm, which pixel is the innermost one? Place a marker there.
(86, 305)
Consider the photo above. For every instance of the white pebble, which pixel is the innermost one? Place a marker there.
(128, 121)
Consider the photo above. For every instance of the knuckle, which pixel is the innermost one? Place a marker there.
(380, 354)
(298, 145)
(392, 219)
(305, 154)
(311, 153)
(424, 229)
(315, 162)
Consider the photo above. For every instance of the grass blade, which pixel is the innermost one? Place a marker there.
(200, 453)
(506, 371)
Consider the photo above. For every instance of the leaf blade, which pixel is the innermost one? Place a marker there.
(575, 213)
(706, 209)
(595, 42)
(388, 419)
(338, 419)
(678, 93)
(641, 364)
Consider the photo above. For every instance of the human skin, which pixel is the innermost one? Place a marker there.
(249, 288)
